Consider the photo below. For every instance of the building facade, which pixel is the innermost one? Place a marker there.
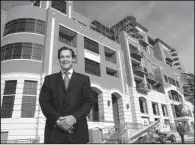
(132, 75)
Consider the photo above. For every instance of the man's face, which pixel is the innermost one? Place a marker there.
(66, 60)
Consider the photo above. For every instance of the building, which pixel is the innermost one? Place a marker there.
(188, 86)
(131, 73)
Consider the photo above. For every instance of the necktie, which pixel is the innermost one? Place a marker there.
(66, 79)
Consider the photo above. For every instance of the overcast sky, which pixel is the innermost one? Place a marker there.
(171, 21)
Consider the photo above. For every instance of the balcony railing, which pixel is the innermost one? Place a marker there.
(137, 53)
(142, 87)
(152, 79)
(110, 59)
(139, 69)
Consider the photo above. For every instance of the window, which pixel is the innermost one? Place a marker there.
(37, 52)
(111, 72)
(177, 84)
(155, 108)
(143, 105)
(166, 79)
(36, 3)
(8, 52)
(172, 81)
(8, 99)
(67, 36)
(92, 67)
(25, 25)
(91, 45)
(164, 110)
(22, 51)
(29, 99)
(59, 5)
(4, 136)
(110, 55)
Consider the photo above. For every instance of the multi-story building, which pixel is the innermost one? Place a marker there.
(131, 74)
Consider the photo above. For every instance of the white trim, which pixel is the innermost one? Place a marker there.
(130, 63)
(47, 4)
(140, 29)
(20, 59)
(69, 9)
(121, 71)
(40, 4)
(21, 33)
(59, 11)
(92, 56)
(51, 45)
(89, 37)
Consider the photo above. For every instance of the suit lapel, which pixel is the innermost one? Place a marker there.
(72, 82)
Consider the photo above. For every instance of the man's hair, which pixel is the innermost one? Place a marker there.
(65, 48)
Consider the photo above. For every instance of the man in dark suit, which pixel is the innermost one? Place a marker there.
(66, 98)
(181, 131)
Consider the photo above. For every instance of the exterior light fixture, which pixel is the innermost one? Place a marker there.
(127, 106)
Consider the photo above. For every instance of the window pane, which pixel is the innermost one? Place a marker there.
(3, 52)
(26, 50)
(21, 25)
(10, 87)
(11, 27)
(30, 87)
(60, 6)
(30, 25)
(37, 52)
(7, 106)
(40, 27)
(17, 50)
(8, 52)
(28, 106)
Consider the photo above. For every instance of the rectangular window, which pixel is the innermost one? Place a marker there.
(26, 50)
(92, 67)
(164, 110)
(10, 87)
(30, 25)
(21, 25)
(28, 106)
(3, 49)
(8, 52)
(172, 81)
(155, 108)
(40, 27)
(59, 5)
(37, 52)
(110, 55)
(7, 106)
(17, 50)
(29, 99)
(4, 136)
(91, 45)
(166, 79)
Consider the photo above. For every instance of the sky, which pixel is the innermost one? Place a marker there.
(171, 21)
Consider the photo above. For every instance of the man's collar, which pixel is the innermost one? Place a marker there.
(70, 71)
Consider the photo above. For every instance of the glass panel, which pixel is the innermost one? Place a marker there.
(28, 106)
(7, 106)
(27, 50)
(11, 27)
(8, 52)
(30, 87)
(37, 52)
(21, 25)
(3, 52)
(40, 27)
(30, 25)
(17, 50)
(10, 87)
(60, 6)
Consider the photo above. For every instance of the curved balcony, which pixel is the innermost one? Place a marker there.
(26, 12)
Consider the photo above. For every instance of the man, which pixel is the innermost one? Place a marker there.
(66, 98)
(181, 131)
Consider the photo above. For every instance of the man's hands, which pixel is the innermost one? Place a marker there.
(66, 123)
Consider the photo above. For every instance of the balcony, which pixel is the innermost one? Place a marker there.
(174, 54)
(135, 61)
(176, 64)
(151, 79)
(176, 59)
(169, 60)
(136, 53)
(139, 70)
(143, 42)
(142, 87)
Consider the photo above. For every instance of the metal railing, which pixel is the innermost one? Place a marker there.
(137, 51)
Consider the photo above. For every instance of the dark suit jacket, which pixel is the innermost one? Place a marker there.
(56, 101)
